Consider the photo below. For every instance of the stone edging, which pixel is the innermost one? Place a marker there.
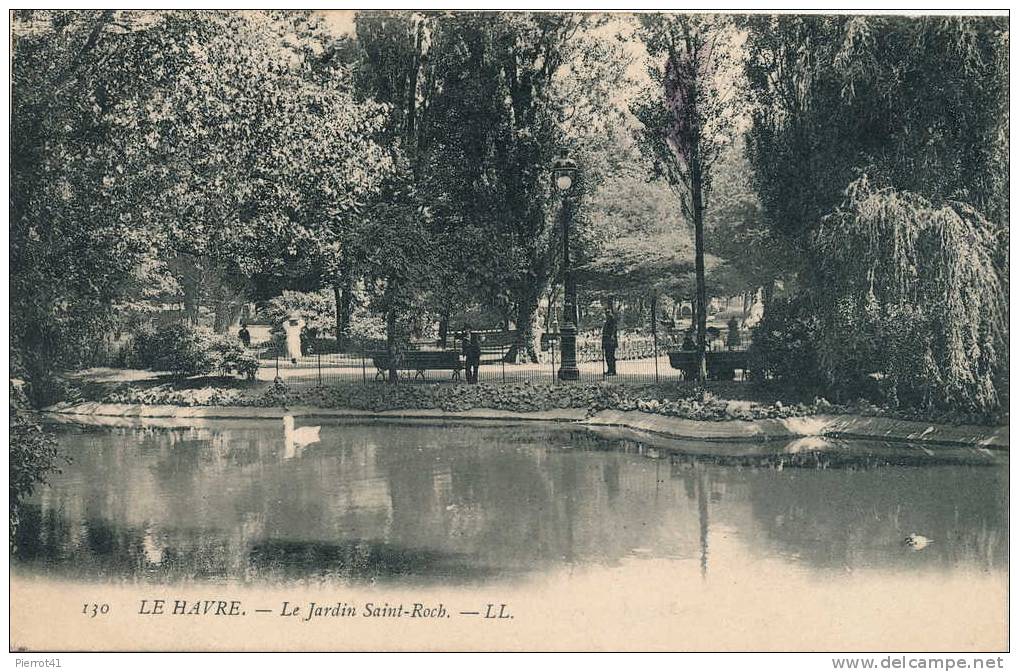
(756, 431)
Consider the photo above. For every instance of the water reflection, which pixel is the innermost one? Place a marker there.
(387, 503)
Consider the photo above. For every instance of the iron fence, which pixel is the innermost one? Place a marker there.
(641, 357)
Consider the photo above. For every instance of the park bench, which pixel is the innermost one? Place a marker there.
(418, 361)
(722, 364)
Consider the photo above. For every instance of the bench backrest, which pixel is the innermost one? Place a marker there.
(420, 358)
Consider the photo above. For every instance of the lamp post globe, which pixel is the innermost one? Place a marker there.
(564, 171)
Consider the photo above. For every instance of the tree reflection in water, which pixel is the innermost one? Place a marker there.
(253, 501)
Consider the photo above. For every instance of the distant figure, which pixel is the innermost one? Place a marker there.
(244, 335)
(292, 326)
(732, 339)
(473, 357)
(688, 343)
(465, 351)
(609, 342)
(306, 342)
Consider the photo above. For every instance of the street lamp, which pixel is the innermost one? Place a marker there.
(564, 170)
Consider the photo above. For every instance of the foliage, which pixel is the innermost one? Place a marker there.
(920, 277)
(179, 348)
(752, 256)
(783, 346)
(222, 148)
(683, 400)
(33, 453)
(318, 309)
(71, 250)
(878, 147)
(919, 103)
(497, 96)
(688, 119)
(184, 350)
(637, 241)
(230, 357)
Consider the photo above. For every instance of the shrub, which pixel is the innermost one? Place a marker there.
(33, 452)
(230, 357)
(181, 349)
(783, 346)
(924, 279)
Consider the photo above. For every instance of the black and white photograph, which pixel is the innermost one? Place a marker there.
(435, 330)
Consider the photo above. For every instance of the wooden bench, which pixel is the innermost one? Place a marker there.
(418, 361)
(722, 364)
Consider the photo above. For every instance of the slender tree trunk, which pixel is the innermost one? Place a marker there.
(338, 300)
(444, 328)
(392, 347)
(697, 198)
(343, 295)
(192, 303)
(768, 294)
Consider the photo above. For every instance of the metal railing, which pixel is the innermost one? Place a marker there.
(641, 357)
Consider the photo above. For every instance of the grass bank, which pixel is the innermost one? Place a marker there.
(718, 401)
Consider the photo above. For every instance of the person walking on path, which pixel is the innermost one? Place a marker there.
(244, 335)
(609, 342)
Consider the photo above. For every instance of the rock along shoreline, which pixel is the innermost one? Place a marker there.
(753, 431)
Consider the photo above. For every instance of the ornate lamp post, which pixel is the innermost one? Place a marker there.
(564, 171)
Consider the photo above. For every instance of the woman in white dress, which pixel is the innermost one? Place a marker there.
(292, 326)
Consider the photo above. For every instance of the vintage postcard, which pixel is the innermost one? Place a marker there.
(432, 330)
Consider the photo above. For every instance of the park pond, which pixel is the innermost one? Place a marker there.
(737, 545)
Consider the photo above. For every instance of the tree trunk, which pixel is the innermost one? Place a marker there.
(338, 299)
(702, 300)
(225, 313)
(344, 297)
(392, 347)
(192, 303)
(444, 329)
(523, 349)
(769, 293)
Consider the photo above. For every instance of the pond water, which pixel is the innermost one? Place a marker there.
(521, 506)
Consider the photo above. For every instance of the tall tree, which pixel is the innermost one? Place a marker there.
(688, 119)
(218, 141)
(878, 146)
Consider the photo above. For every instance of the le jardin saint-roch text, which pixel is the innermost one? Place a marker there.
(313, 610)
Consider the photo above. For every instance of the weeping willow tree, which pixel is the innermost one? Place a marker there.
(912, 293)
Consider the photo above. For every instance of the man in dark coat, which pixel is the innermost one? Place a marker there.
(609, 342)
(465, 352)
(688, 342)
(245, 336)
(473, 356)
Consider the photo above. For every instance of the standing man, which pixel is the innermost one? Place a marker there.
(473, 359)
(609, 342)
(465, 351)
(244, 335)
